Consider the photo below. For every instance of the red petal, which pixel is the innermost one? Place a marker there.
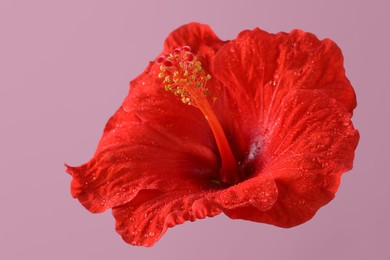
(259, 192)
(147, 144)
(311, 142)
(202, 40)
(259, 69)
(153, 141)
(146, 218)
(267, 66)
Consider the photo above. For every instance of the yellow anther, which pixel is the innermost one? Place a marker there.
(186, 100)
(183, 75)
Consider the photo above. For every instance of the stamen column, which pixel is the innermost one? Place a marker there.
(184, 76)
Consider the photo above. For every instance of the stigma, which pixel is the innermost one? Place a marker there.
(183, 75)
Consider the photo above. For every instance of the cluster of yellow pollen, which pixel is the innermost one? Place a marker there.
(183, 75)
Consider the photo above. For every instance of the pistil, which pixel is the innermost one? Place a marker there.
(183, 75)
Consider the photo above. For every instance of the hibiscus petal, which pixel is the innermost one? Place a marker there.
(202, 40)
(153, 141)
(144, 219)
(267, 66)
(259, 69)
(310, 144)
(259, 192)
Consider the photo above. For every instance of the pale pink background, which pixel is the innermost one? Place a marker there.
(64, 70)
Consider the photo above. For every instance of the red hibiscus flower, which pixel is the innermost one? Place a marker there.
(257, 128)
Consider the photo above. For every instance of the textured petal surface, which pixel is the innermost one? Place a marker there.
(202, 40)
(153, 141)
(311, 142)
(143, 220)
(146, 218)
(259, 69)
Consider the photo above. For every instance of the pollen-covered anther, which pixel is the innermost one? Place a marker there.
(182, 74)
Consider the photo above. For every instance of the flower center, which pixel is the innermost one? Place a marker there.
(183, 75)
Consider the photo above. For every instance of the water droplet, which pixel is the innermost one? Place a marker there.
(293, 45)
